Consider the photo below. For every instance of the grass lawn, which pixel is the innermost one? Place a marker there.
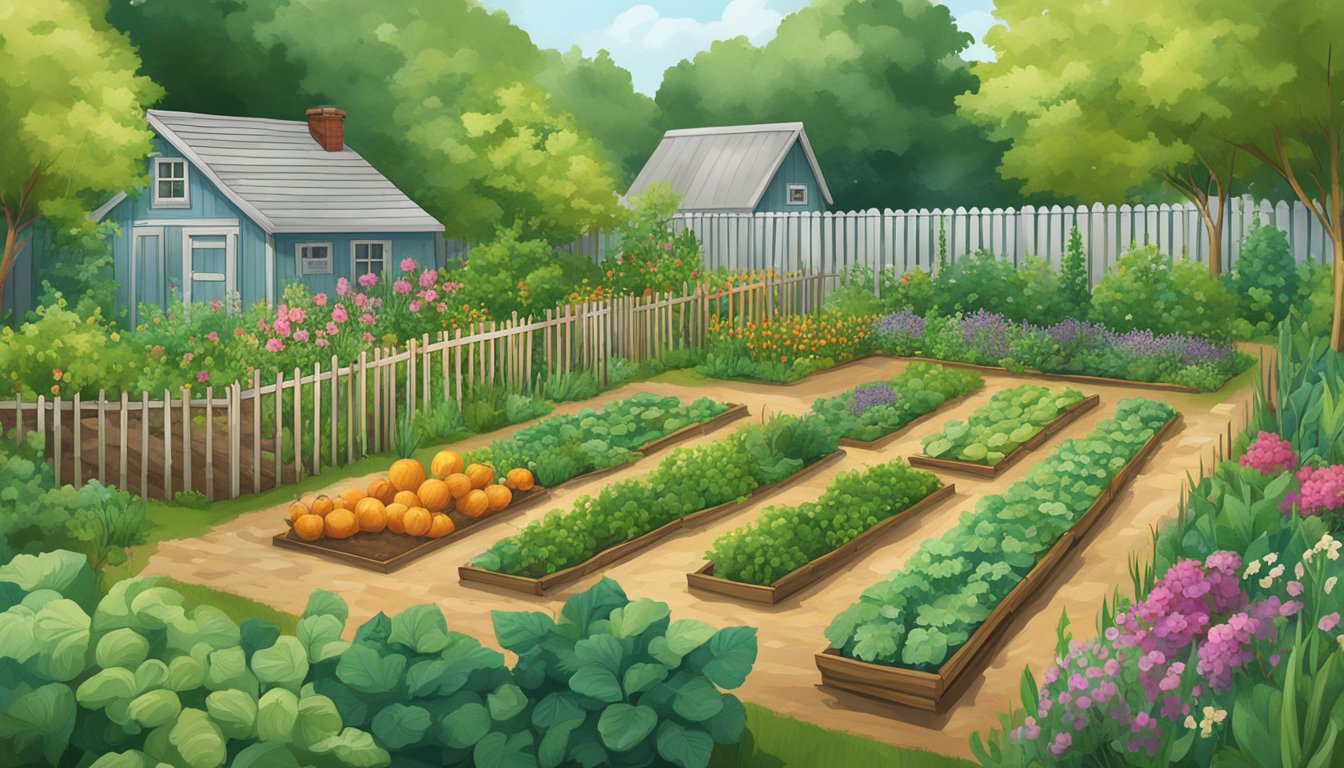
(773, 740)
(238, 608)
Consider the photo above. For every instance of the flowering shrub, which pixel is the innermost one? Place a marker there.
(900, 332)
(653, 258)
(787, 347)
(873, 410)
(1320, 491)
(868, 396)
(1269, 455)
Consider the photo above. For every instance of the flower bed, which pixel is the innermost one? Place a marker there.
(870, 412)
(1012, 424)
(688, 481)
(785, 348)
(787, 548)
(1070, 347)
(910, 637)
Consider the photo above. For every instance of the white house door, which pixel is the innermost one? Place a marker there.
(209, 264)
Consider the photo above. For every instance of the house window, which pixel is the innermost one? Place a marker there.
(371, 256)
(314, 258)
(170, 183)
(797, 194)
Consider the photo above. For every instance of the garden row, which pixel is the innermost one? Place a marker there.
(1227, 653)
(411, 511)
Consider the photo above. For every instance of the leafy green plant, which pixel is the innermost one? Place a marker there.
(1265, 277)
(686, 481)
(919, 615)
(854, 295)
(574, 385)
(919, 389)
(440, 420)
(1309, 381)
(997, 428)
(483, 407)
(1152, 291)
(783, 539)
(408, 436)
(977, 281)
(911, 290)
(1073, 281)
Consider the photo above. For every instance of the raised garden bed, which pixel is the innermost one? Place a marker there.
(899, 432)
(799, 579)
(614, 554)
(385, 552)
(1075, 378)
(1066, 417)
(935, 691)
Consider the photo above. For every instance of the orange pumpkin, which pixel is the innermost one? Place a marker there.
(474, 504)
(445, 463)
(341, 524)
(352, 497)
(480, 475)
(339, 503)
(408, 498)
(322, 506)
(395, 512)
(382, 490)
(298, 509)
(440, 526)
(520, 479)
(459, 485)
(406, 474)
(497, 496)
(434, 495)
(372, 515)
(417, 521)
(309, 527)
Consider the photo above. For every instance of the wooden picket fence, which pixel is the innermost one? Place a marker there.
(255, 435)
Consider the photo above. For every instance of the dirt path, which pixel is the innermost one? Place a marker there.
(237, 557)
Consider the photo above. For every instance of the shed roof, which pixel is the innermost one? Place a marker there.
(279, 176)
(724, 168)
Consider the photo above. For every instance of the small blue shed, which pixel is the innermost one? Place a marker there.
(247, 205)
(767, 168)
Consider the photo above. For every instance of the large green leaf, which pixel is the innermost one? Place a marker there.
(65, 572)
(555, 708)
(367, 671)
(20, 643)
(318, 719)
(734, 650)
(107, 686)
(184, 674)
(602, 650)
(520, 630)
(277, 713)
(420, 628)
(596, 682)
(322, 602)
(121, 648)
(61, 630)
(727, 726)
(265, 755)
(499, 751)
(597, 602)
(684, 747)
(555, 744)
(466, 725)
(46, 713)
(398, 726)
(640, 676)
(638, 616)
(284, 664)
(685, 635)
(506, 701)
(320, 635)
(234, 711)
(354, 748)
(155, 708)
(697, 699)
(197, 740)
(623, 726)
(131, 758)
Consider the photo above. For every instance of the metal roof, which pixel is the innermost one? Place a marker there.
(280, 177)
(725, 168)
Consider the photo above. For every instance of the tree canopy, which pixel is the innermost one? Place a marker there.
(874, 82)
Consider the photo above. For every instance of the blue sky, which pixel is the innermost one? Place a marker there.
(650, 36)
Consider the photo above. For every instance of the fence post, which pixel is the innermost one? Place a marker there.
(235, 422)
(210, 440)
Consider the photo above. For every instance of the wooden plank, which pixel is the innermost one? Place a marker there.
(256, 432)
(167, 445)
(144, 444)
(77, 465)
(102, 436)
(210, 441)
(123, 442)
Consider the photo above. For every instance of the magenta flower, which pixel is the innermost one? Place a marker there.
(1321, 490)
(320, 299)
(262, 326)
(430, 295)
(402, 286)
(281, 327)
(1328, 622)
(366, 319)
(1269, 455)
(301, 336)
(342, 286)
(213, 336)
(274, 345)
(428, 278)
(408, 265)
(338, 314)
(667, 246)
(202, 376)
(368, 280)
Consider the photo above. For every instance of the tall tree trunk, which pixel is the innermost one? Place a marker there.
(15, 227)
(1214, 189)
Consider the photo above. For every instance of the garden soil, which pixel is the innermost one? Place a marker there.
(238, 557)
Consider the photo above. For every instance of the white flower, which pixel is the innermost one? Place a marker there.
(1298, 570)
(1271, 558)
(1252, 568)
(1265, 582)
(1276, 571)
(1190, 722)
(1330, 584)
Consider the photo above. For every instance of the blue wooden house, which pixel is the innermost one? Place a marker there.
(248, 205)
(738, 169)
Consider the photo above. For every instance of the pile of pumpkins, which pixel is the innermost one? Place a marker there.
(410, 501)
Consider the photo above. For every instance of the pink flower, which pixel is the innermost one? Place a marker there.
(332, 329)
(322, 343)
(301, 336)
(216, 305)
(408, 265)
(213, 336)
(274, 345)
(368, 280)
(1294, 588)
(188, 357)
(415, 306)
(262, 326)
(428, 278)
(281, 327)
(202, 376)
(667, 246)
(320, 299)
(342, 286)
(1269, 455)
(361, 300)
(402, 286)
(441, 307)
(1328, 622)
(238, 331)
(430, 295)
(297, 315)
(338, 314)
(366, 319)
(367, 337)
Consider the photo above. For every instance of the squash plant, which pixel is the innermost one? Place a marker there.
(783, 539)
(919, 615)
(997, 428)
(919, 389)
(687, 480)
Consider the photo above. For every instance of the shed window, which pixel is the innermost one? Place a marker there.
(371, 256)
(314, 258)
(797, 194)
(170, 183)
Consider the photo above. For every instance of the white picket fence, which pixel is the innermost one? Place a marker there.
(256, 434)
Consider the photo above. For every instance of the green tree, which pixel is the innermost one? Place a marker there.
(1084, 94)
(1073, 275)
(874, 82)
(75, 107)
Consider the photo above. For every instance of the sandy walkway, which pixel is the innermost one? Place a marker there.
(237, 557)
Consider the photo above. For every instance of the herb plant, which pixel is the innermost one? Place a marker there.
(868, 412)
(997, 428)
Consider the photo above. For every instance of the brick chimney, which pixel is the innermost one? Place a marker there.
(326, 126)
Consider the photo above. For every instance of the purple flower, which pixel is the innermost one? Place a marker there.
(904, 323)
(987, 334)
(1072, 332)
(301, 336)
(870, 395)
